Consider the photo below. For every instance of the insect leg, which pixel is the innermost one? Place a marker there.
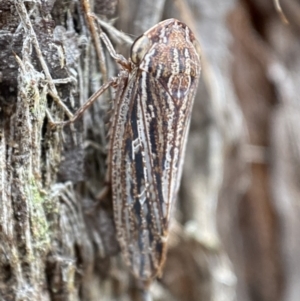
(97, 43)
(117, 57)
(112, 82)
(115, 34)
(120, 59)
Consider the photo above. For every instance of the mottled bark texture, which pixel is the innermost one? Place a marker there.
(235, 231)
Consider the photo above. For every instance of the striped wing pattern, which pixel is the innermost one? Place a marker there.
(148, 141)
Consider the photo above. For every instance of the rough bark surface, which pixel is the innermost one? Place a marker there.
(235, 231)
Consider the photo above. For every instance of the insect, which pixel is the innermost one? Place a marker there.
(154, 97)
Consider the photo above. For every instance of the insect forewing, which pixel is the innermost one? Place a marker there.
(150, 128)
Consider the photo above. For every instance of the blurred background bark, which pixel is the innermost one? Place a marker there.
(235, 233)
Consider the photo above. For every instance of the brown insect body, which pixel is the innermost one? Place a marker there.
(148, 138)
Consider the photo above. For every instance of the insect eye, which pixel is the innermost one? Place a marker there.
(139, 49)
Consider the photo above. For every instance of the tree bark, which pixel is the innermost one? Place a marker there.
(234, 233)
